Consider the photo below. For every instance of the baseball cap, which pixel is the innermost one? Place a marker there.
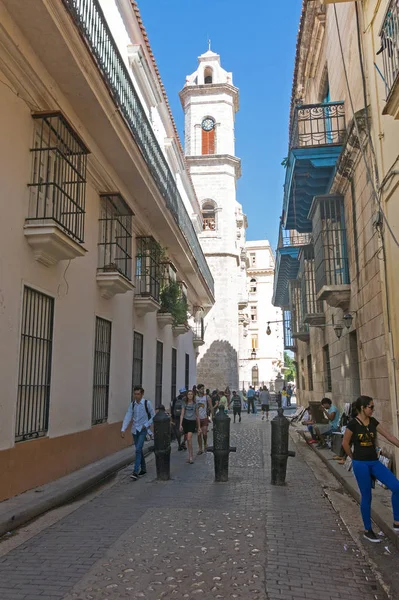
(182, 390)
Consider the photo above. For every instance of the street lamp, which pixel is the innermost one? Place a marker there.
(338, 328)
(253, 354)
(268, 330)
(348, 318)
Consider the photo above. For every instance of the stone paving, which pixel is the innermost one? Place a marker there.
(191, 537)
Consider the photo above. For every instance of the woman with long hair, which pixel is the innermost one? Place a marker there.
(189, 422)
(361, 432)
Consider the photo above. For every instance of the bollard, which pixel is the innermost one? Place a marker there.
(162, 445)
(279, 451)
(221, 445)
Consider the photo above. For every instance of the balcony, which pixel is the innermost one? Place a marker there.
(89, 19)
(149, 271)
(287, 264)
(199, 333)
(318, 132)
(289, 342)
(330, 250)
(299, 329)
(389, 50)
(312, 308)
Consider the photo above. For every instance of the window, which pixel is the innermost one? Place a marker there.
(187, 372)
(209, 216)
(252, 259)
(327, 369)
(158, 374)
(102, 359)
(57, 189)
(254, 341)
(148, 267)
(252, 286)
(174, 374)
(254, 313)
(255, 376)
(115, 246)
(208, 75)
(303, 387)
(208, 136)
(138, 348)
(310, 373)
(34, 377)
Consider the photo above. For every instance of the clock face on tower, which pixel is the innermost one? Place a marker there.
(208, 124)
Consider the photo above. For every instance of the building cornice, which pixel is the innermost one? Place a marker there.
(215, 160)
(210, 89)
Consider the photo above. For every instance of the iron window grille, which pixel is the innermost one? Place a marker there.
(289, 342)
(158, 374)
(330, 247)
(115, 245)
(290, 237)
(389, 35)
(102, 360)
(93, 27)
(138, 350)
(310, 373)
(318, 125)
(173, 390)
(306, 275)
(34, 378)
(199, 329)
(255, 376)
(148, 267)
(327, 369)
(298, 326)
(187, 371)
(58, 186)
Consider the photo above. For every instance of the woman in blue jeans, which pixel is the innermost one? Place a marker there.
(361, 432)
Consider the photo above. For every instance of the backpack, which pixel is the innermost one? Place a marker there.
(178, 407)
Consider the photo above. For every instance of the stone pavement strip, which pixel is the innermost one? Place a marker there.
(191, 537)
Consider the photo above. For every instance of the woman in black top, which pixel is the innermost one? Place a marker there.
(362, 432)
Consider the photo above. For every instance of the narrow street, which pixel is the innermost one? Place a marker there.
(190, 536)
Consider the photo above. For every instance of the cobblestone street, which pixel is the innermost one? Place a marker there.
(190, 537)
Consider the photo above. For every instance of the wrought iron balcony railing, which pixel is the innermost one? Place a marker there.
(293, 238)
(91, 22)
(389, 35)
(318, 125)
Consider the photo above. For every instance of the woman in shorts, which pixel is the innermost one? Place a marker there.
(189, 422)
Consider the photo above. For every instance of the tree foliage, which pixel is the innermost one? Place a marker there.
(290, 372)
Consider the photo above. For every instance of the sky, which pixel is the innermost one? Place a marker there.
(256, 41)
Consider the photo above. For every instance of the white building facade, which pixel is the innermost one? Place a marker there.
(262, 354)
(99, 217)
(210, 102)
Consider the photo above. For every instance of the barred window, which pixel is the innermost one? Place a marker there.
(58, 186)
(174, 374)
(138, 348)
(34, 377)
(115, 245)
(148, 267)
(102, 359)
(327, 369)
(310, 373)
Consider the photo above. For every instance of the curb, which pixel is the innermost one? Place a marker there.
(62, 490)
(349, 484)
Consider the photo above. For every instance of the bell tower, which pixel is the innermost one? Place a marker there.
(210, 102)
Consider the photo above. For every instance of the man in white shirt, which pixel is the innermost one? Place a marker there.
(140, 413)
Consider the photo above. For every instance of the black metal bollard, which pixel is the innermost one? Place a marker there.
(279, 451)
(221, 445)
(162, 444)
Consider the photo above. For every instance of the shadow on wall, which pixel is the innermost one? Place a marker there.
(218, 367)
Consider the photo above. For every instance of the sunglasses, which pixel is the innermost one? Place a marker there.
(371, 407)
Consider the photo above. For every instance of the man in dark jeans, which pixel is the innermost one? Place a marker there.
(251, 399)
(176, 410)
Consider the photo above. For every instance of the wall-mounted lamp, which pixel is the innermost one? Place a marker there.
(338, 328)
(348, 318)
(268, 330)
(253, 354)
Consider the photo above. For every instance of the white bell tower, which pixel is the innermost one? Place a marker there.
(210, 102)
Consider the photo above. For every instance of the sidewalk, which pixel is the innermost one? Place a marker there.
(381, 509)
(27, 506)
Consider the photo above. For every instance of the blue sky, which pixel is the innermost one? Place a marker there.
(256, 41)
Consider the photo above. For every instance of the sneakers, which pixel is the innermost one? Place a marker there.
(396, 527)
(142, 473)
(134, 476)
(371, 537)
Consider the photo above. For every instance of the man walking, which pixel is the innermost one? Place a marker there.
(204, 403)
(141, 414)
(264, 398)
(176, 410)
(236, 402)
(251, 399)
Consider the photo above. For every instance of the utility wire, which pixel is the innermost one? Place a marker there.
(369, 173)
